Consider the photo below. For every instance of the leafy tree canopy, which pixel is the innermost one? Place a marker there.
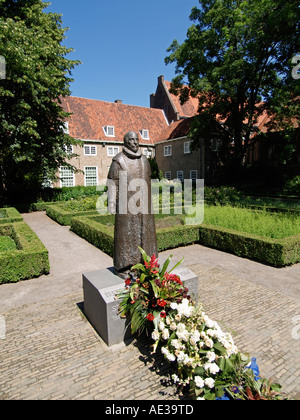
(237, 59)
(32, 136)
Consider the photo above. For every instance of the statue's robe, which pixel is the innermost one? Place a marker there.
(131, 230)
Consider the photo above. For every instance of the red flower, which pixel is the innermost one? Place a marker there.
(152, 264)
(127, 282)
(163, 314)
(150, 317)
(162, 303)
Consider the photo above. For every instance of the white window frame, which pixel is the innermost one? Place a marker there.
(109, 130)
(71, 176)
(195, 173)
(168, 150)
(168, 175)
(68, 149)
(85, 176)
(88, 150)
(66, 127)
(112, 151)
(145, 134)
(147, 153)
(187, 147)
(180, 175)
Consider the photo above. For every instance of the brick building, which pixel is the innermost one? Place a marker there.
(101, 127)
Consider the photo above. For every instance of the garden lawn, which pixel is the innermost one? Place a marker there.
(261, 223)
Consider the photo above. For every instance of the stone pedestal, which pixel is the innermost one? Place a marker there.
(100, 307)
(190, 280)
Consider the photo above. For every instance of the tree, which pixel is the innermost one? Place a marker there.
(33, 141)
(237, 59)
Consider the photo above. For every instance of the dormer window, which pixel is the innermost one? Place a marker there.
(109, 130)
(145, 134)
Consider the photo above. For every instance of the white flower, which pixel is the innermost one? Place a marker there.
(181, 327)
(209, 322)
(211, 356)
(209, 382)
(174, 305)
(155, 335)
(199, 382)
(209, 343)
(175, 378)
(165, 334)
(192, 341)
(168, 320)
(161, 326)
(173, 326)
(212, 367)
(177, 317)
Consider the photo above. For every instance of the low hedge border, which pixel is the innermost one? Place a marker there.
(28, 261)
(275, 252)
(12, 215)
(63, 217)
(42, 205)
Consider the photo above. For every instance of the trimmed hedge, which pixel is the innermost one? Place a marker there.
(63, 217)
(42, 205)
(90, 229)
(275, 252)
(28, 261)
(11, 215)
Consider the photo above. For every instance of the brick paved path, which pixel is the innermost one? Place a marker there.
(50, 351)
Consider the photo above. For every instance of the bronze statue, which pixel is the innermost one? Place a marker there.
(129, 198)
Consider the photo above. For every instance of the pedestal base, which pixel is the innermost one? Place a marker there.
(101, 307)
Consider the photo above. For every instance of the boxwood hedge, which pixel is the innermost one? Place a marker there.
(275, 252)
(10, 215)
(29, 260)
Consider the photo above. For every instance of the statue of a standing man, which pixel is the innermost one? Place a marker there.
(129, 198)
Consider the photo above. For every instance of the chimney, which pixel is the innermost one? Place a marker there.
(118, 101)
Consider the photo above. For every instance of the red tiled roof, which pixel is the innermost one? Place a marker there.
(189, 108)
(176, 130)
(89, 116)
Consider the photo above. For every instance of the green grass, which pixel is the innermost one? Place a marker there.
(7, 244)
(262, 223)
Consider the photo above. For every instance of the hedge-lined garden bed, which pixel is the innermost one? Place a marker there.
(98, 230)
(63, 216)
(10, 215)
(28, 260)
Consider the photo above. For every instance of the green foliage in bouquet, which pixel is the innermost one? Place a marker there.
(149, 292)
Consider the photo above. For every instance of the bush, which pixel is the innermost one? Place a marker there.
(29, 260)
(10, 215)
(275, 252)
(96, 233)
(63, 216)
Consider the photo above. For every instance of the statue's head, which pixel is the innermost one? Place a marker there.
(131, 141)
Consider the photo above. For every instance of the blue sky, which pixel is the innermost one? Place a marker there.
(122, 44)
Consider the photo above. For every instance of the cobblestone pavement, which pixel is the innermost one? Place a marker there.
(48, 350)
